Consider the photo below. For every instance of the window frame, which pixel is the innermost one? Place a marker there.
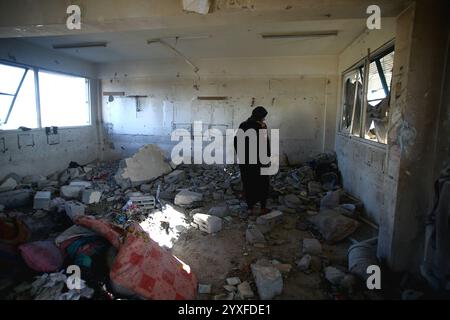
(382, 51)
(35, 71)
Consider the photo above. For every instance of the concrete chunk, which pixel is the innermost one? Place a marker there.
(268, 221)
(207, 223)
(70, 192)
(74, 209)
(91, 196)
(312, 246)
(220, 212)
(269, 281)
(304, 262)
(186, 197)
(233, 281)
(8, 184)
(254, 235)
(245, 291)
(146, 164)
(42, 200)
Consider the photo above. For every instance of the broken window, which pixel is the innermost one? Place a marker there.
(64, 100)
(17, 98)
(353, 89)
(372, 96)
(378, 97)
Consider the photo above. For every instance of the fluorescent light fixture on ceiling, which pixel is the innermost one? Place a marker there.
(80, 45)
(300, 35)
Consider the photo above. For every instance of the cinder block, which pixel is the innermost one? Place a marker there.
(207, 223)
(144, 202)
(91, 196)
(42, 200)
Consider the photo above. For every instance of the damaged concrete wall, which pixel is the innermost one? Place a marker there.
(29, 152)
(362, 162)
(298, 96)
(418, 117)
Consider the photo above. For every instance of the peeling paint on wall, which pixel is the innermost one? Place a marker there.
(406, 136)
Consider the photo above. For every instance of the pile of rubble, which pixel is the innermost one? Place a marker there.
(164, 200)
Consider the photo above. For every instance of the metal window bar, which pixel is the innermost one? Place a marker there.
(382, 77)
(362, 128)
(15, 96)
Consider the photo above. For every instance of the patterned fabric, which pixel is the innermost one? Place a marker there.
(143, 267)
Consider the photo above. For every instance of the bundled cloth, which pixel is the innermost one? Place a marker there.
(141, 265)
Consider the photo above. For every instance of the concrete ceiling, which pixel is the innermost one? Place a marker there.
(25, 18)
(213, 42)
(234, 26)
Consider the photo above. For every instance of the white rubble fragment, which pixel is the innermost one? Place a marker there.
(198, 6)
(254, 235)
(186, 197)
(71, 192)
(304, 262)
(207, 223)
(74, 209)
(8, 184)
(91, 196)
(230, 288)
(146, 164)
(268, 279)
(42, 200)
(268, 221)
(233, 281)
(220, 212)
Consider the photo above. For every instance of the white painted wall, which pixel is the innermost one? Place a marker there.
(298, 92)
(80, 144)
(362, 163)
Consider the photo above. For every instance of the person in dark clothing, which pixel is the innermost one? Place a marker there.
(255, 185)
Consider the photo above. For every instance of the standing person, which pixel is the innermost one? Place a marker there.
(255, 185)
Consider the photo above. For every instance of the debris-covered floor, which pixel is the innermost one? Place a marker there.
(299, 250)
